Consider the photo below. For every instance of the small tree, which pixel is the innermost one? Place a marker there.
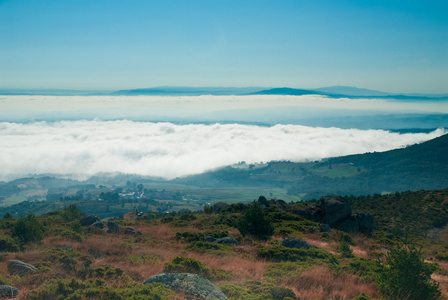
(405, 275)
(254, 222)
(28, 229)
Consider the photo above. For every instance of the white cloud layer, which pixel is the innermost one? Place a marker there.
(84, 148)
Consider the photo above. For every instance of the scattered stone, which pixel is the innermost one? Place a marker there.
(189, 284)
(99, 225)
(17, 267)
(295, 243)
(311, 230)
(129, 230)
(217, 207)
(226, 240)
(87, 220)
(301, 212)
(324, 228)
(8, 291)
(210, 239)
(366, 222)
(334, 208)
(112, 227)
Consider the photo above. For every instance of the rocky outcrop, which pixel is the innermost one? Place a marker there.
(324, 228)
(99, 225)
(189, 284)
(129, 230)
(295, 243)
(226, 240)
(17, 267)
(87, 220)
(7, 291)
(112, 227)
(331, 212)
(263, 202)
(210, 239)
(334, 209)
(362, 222)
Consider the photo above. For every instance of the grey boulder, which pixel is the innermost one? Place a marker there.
(17, 267)
(189, 284)
(7, 291)
(295, 243)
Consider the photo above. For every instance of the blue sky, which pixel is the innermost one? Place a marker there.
(396, 46)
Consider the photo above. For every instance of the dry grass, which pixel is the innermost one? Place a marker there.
(320, 283)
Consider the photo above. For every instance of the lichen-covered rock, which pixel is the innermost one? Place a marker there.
(112, 227)
(129, 230)
(226, 240)
(311, 230)
(366, 222)
(334, 208)
(210, 239)
(189, 284)
(17, 267)
(295, 243)
(7, 291)
(87, 220)
(99, 225)
(324, 228)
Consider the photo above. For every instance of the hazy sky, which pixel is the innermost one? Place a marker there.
(396, 46)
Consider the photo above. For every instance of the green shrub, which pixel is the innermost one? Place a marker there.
(59, 289)
(202, 247)
(364, 268)
(346, 238)
(405, 275)
(253, 222)
(362, 296)
(345, 250)
(280, 253)
(8, 244)
(28, 229)
(7, 216)
(71, 213)
(324, 236)
(181, 264)
(256, 290)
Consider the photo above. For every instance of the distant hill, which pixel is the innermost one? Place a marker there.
(187, 91)
(287, 91)
(421, 166)
(351, 91)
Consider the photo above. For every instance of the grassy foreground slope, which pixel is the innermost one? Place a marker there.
(79, 262)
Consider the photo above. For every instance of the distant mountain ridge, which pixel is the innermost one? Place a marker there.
(332, 91)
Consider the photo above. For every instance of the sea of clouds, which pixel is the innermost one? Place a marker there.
(83, 148)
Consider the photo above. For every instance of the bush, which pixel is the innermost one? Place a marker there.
(28, 229)
(405, 275)
(255, 223)
(181, 264)
(345, 250)
(280, 253)
(7, 244)
(202, 247)
(71, 213)
(97, 289)
(256, 290)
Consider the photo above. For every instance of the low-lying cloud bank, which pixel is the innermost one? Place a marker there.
(84, 148)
